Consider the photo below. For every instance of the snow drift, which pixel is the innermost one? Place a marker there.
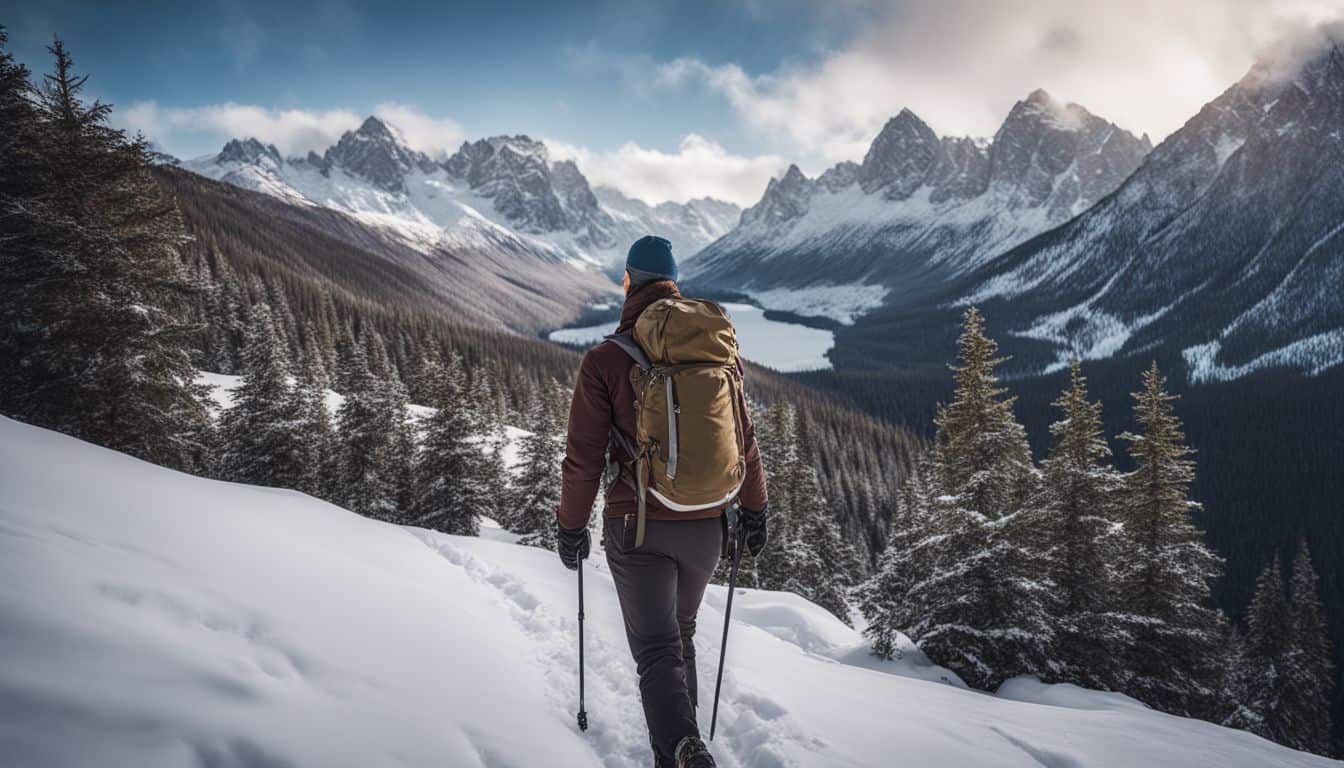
(150, 618)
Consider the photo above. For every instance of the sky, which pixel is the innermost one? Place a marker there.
(662, 100)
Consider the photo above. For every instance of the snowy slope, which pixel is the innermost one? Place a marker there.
(155, 619)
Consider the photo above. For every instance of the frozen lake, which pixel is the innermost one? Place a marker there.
(783, 346)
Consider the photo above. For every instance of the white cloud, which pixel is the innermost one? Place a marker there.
(699, 167)
(1148, 65)
(436, 136)
(293, 131)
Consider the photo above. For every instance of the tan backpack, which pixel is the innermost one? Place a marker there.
(689, 446)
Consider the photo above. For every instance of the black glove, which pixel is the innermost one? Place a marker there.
(572, 545)
(754, 526)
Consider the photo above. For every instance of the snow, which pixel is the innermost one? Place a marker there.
(841, 303)
(156, 619)
(1312, 355)
(221, 386)
(435, 211)
(786, 347)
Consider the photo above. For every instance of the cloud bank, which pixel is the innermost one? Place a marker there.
(194, 130)
(698, 168)
(1148, 65)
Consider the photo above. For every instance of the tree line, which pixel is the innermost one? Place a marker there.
(1072, 571)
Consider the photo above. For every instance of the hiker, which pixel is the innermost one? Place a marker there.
(662, 553)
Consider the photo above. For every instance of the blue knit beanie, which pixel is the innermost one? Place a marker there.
(649, 259)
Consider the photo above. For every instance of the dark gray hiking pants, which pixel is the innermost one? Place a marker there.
(660, 586)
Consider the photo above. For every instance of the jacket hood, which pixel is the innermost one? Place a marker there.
(640, 298)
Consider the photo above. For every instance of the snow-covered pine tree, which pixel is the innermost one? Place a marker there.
(537, 488)
(452, 497)
(262, 436)
(495, 473)
(320, 446)
(352, 361)
(402, 458)
(907, 560)
(1164, 579)
(984, 610)
(1079, 540)
(985, 457)
(1310, 668)
(368, 425)
(778, 444)
(103, 347)
(22, 180)
(1263, 662)
(425, 382)
(831, 568)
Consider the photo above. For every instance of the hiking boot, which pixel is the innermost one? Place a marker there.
(692, 753)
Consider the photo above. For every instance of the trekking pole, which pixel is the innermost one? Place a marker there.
(583, 716)
(739, 544)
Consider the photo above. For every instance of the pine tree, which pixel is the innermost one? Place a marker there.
(23, 260)
(828, 566)
(320, 446)
(983, 611)
(452, 499)
(1310, 668)
(537, 488)
(985, 458)
(1165, 577)
(1079, 541)
(369, 422)
(1263, 663)
(778, 444)
(262, 432)
(885, 599)
(495, 475)
(103, 348)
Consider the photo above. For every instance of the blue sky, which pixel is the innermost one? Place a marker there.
(663, 99)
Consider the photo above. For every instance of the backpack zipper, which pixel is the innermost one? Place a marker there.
(672, 411)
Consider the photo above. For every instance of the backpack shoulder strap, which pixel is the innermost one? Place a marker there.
(626, 341)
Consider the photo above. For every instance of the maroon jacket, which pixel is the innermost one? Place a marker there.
(603, 395)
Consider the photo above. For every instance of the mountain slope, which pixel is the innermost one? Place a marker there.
(1228, 243)
(483, 276)
(920, 209)
(222, 624)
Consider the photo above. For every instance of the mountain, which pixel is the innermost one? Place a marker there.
(919, 210)
(502, 193)
(1227, 244)
(478, 273)
(222, 624)
(690, 225)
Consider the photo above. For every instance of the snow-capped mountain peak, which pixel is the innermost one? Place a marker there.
(378, 153)
(1226, 242)
(505, 184)
(250, 151)
(900, 158)
(785, 198)
(921, 208)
